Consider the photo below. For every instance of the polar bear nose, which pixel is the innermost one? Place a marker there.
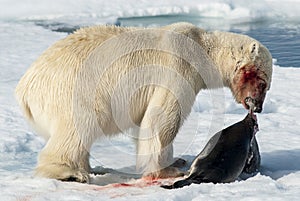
(258, 106)
(258, 109)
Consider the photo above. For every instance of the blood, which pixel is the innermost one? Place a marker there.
(122, 185)
(142, 183)
(139, 183)
(249, 75)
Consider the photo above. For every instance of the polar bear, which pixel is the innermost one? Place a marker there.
(104, 80)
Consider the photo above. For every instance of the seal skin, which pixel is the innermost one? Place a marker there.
(224, 157)
(253, 160)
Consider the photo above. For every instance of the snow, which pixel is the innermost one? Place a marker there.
(21, 43)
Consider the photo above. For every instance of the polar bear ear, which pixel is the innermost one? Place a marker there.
(253, 49)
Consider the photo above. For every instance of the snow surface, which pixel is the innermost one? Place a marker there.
(21, 43)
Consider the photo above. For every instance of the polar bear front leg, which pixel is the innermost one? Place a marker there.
(158, 129)
(65, 157)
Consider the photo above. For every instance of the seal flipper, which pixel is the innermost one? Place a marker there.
(178, 184)
(195, 178)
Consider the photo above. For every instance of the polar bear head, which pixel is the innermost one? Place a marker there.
(252, 75)
(246, 66)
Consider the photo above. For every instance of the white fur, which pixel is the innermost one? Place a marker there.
(103, 80)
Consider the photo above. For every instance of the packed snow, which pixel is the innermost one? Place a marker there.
(22, 42)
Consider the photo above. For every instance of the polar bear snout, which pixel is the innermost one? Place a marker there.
(256, 101)
(258, 95)
(252, 104)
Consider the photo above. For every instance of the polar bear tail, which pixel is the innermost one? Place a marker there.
(21, 98)
(26, 110)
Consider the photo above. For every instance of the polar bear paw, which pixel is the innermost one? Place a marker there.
(77, 176)
(63, 173)
(168, 172)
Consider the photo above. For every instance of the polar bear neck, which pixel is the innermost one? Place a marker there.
(226, 50)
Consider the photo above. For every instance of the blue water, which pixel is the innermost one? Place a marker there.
(283, 43)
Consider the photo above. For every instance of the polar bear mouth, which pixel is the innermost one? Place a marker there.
(252, 104)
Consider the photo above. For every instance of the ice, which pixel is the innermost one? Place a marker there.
(103, 11)
(22, 42)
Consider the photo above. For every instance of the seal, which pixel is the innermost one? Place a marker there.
(253, 161)
(225, 155)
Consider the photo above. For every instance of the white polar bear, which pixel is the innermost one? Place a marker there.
(103, 80)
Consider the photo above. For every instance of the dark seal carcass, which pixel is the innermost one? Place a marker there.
(225, 155)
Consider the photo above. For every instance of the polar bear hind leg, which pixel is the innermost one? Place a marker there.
(65, 156)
